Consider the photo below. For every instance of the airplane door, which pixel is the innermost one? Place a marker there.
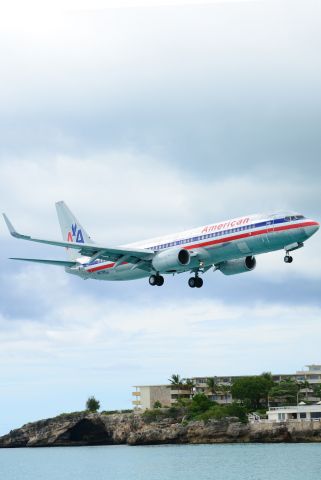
(270, 227)
(268, 236)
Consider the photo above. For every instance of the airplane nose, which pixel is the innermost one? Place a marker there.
(313, 227)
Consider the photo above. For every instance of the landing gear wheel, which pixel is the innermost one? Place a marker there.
(153, 280)
(159, 280)
(288, 259)
(156, 280)
(199, 282)
(192, 282)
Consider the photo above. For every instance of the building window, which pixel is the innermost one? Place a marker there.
(315, 414)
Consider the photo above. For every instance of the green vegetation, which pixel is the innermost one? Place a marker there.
(157, 404)
(200, 407)
(252, 392)
(112, 412)
(176, 380)
(66, 415)
(285, 392)
(211, 385)
(316, 390)
(92, 404)
(157, 414)
(188, 384)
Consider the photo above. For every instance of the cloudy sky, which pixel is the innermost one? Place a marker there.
(148, 117)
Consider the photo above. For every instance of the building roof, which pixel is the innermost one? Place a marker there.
(316, 407)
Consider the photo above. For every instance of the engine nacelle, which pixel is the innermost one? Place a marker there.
(171, 260)
(240, 265)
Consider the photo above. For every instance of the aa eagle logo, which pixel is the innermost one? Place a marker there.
(75, 235)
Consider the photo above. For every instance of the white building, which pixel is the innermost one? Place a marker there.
(297, 412)
(145, 396)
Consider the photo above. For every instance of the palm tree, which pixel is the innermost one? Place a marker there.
(211, 385)
(225, 390)
(189, 384)
(176, 380)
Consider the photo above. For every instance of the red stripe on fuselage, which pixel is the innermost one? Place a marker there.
(225, 240)
(103, 267)
(249, 234)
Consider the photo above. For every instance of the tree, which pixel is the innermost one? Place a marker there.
(286, 391)
(157, 404)
(200, 403)
(176, 380)
(211, 385)
(267, 375)
(224, 390)
(317, 390)
(305, 387)
(92, 404)
(188, 384)
(252, 391)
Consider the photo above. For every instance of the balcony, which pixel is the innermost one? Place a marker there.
(136, 402)
(180, 392)
(136, 394)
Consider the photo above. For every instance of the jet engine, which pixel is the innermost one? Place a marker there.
(171, 260)
(240, 265)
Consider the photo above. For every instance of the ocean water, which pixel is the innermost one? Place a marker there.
(167, 462)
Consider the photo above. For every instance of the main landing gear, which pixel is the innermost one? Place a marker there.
(195, 282)
(156, 280)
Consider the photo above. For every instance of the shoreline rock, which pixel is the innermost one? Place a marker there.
(84, 429)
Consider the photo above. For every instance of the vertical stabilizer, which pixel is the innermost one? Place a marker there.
(71, 229)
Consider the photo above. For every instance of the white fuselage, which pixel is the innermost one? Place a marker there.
(211, 244)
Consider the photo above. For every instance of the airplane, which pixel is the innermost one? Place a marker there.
(229, 246)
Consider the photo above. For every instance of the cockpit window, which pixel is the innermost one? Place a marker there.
(294, 217)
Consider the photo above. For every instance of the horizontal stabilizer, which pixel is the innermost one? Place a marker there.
(58, 263)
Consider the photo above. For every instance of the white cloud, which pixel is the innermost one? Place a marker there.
(70, 58)
(200, 335)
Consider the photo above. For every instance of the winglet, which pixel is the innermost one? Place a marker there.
(11, 228)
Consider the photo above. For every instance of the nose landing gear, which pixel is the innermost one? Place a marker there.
(288, 258)
(290, 248)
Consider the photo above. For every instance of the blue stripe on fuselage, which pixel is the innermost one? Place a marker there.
(266, 223)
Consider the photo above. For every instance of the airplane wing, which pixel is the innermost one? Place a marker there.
(93, 251)
(58, 263)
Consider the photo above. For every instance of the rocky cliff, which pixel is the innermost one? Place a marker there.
(136, 429)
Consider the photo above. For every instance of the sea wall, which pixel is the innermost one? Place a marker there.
(134, 429)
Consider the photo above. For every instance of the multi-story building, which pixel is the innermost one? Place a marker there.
(167, 395)
(309, 379)
(312, 375)
(147, 395)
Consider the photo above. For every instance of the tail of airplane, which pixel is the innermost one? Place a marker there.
(71, 229)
